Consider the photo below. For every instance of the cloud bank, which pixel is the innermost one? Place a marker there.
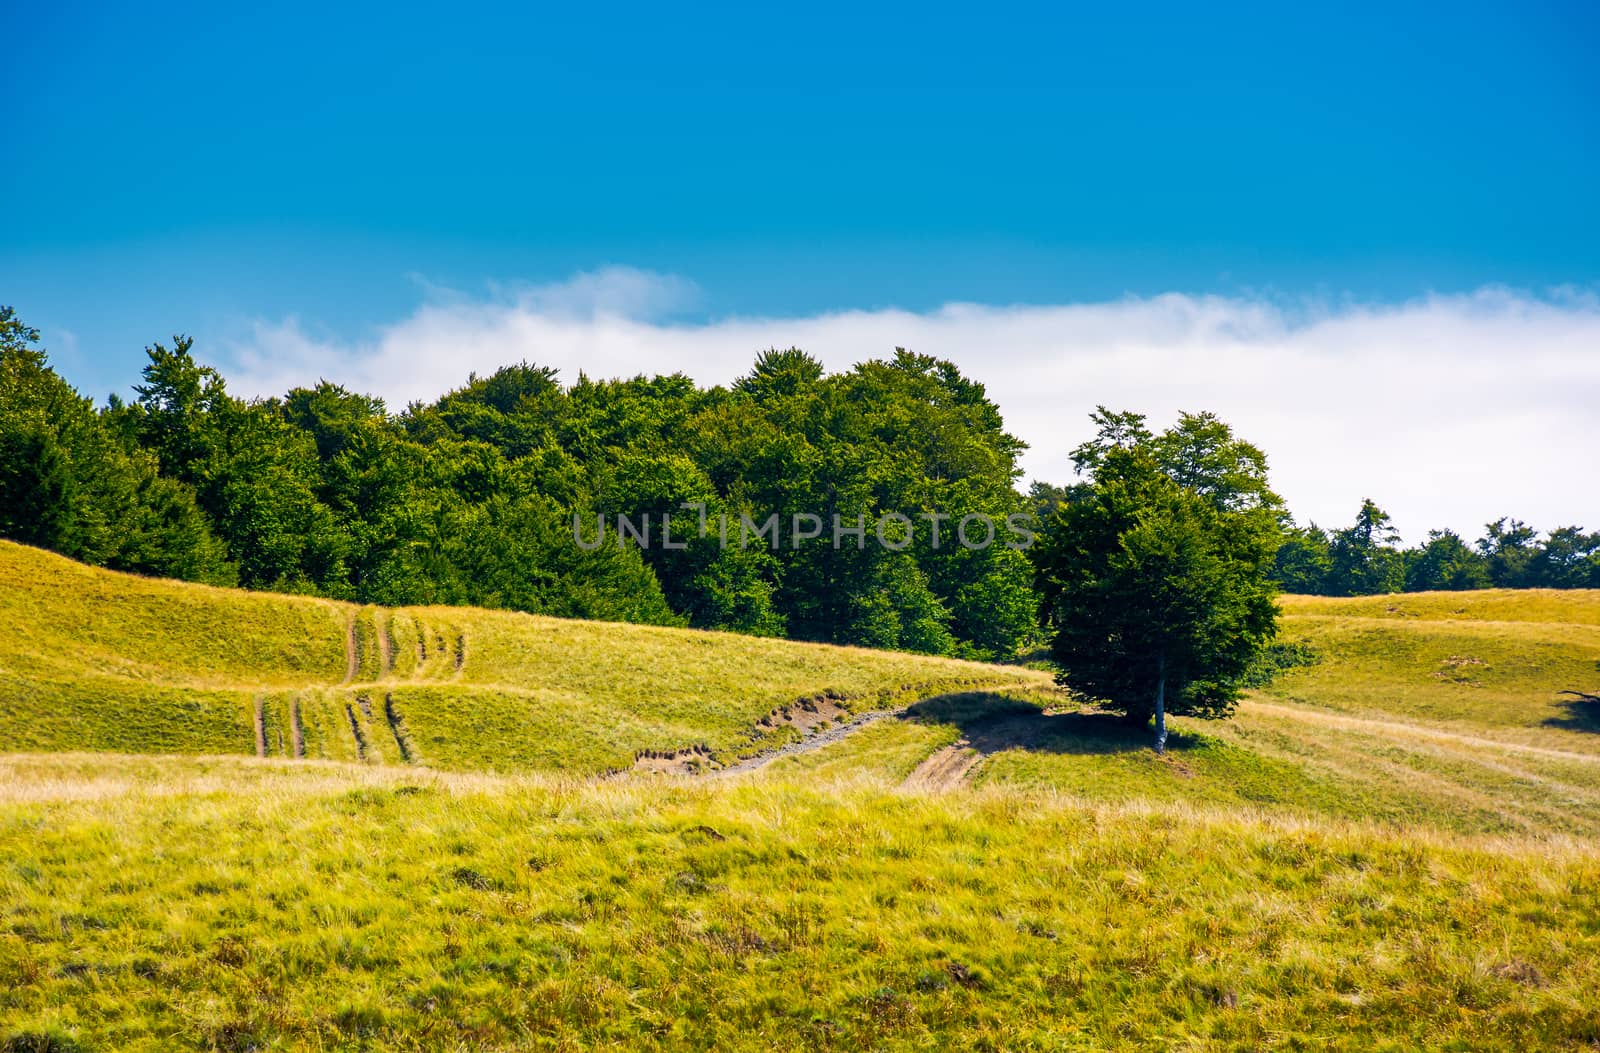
(1447, 410)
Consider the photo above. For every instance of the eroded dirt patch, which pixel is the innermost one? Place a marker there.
(806, 715)
(690, 761)
(819, 720)
(1457, 669)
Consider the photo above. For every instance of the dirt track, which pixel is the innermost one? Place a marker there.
(827, 737)
(950, 767)
(944, 770)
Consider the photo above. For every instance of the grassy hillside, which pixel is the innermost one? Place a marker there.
(1389, 848)
(96, 660)
(236, 904)
(1439, 711)
(1496, 659)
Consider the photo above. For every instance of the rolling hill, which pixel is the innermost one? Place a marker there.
(97, 660)
(450, 829)
(1446, 711)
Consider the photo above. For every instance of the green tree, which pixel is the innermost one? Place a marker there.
(1362, 558)
(1045, 498)
(1304, 561)
(74, 480)
(1199, 452)
(254, 473)
(1509, 547)
(1568, 559)
(1158, 595)
(37, 491)
(1444, 563)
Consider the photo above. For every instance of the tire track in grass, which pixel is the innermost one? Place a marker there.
(261, 726)
(380, 629)
(352, 650)
(297, 730)
(1463, 749)
(944, 769)
(397, 726)
(356, 732)
(951, 766)
(1364, 767)
(1406, 729)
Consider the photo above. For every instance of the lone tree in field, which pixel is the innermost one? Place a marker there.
(1153, 573)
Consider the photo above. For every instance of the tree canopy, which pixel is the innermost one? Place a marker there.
(1153, 574)
(472, 498)
(480, 496)
(1365, 558)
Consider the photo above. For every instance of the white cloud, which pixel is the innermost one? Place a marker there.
(1447, 410)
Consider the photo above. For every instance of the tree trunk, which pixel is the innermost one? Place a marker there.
(1161, 704)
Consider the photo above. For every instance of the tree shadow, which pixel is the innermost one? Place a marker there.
(991, 722)
(1583, 713)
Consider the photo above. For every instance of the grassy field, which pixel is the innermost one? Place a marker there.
(240, 904)
(1389, 848)
(1384, 726)
(1493, 659)
(101, 661)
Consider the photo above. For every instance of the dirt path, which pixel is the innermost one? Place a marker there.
(950, 767)
(823, 721)
(826, 737)
(1375, 726)
(944, 770)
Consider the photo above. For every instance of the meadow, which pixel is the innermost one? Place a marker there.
(97, 660)
(541, 836)
(238, 904)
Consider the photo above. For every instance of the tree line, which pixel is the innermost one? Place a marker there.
(1153, 576)
(471, 499)
(1364, 559)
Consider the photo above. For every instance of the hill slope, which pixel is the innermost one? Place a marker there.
(221, 903)
(1437, 710)
(97, 660)
(995, 868)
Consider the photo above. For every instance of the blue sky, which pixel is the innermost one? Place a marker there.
(187, 168)
(182, 167)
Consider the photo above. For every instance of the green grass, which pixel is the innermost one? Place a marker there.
(1492, 659)
(1391, 848)
(885, 752)
(240, 904)
(1382, 727)
(1559, 606)
(96, 660)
